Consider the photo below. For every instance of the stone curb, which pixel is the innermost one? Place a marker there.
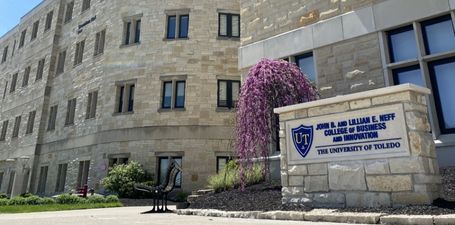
(327, 215)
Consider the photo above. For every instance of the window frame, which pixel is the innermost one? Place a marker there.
(303, 56)
(52, 120)
(40, 69)
(425, 36)
(100, 41)
(61, 62)
(174, 84)
(17, 125)
(30, 122)
(92, 102)
(86, 4)
(49, 18)
(180, 36)
(132, 27)
(4, 131)
(79, 53)
(228, 158)
(5, 54)
(159, 169)
(62, 171)
(123, 98)
(389, 33)
(178, 14)
(22, 38)
(35, 29)
(228, 25)
(13, 84)
(26, 77)
(229, 92)
(177, 82)
(70, 112)
(69, 12)
(396, 71)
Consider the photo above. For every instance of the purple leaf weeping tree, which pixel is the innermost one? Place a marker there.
(269, 84)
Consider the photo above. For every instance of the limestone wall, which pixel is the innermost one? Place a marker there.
(380, 182)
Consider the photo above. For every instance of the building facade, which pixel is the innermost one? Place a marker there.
(87, 84)
(357, 45)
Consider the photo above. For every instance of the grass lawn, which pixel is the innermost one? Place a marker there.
(54, 207)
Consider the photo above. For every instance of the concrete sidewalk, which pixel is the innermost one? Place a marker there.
(129, 216)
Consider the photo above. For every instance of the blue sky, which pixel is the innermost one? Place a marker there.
(11, 12)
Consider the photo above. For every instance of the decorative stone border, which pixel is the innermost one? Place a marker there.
(327, 215)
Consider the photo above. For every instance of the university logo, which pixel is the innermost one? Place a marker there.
(302, 137)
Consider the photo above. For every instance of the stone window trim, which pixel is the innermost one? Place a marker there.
(53, 111)
(177, 13)
(5, 54)
(40, 69)
(61, 59)
(26, 77)
(422, 61)
(70, 112)
(13, 82)
(22, 38)
(131, 33)
(174, 79)
(122, 105)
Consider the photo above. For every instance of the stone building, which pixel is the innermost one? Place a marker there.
(86, 84)
(349, 46)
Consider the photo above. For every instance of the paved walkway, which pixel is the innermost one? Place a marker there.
(129, 216)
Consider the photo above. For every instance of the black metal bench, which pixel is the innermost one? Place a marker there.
(160, 192)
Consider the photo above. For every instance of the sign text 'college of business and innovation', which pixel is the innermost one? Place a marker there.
(370, 133)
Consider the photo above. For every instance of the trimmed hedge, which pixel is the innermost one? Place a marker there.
(61, 199)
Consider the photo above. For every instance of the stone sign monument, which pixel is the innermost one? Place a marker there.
(369, 149)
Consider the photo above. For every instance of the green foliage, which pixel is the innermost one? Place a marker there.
(3, 195)
(3, 201)
(26, 195)
(33, 200)
(112, 199)
(229, 178)
(53, 207)
(121, 179)
(18, 200)
(69, 199)
(181, 196)
(96, 199)
(48, 201)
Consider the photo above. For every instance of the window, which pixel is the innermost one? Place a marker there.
(69, 12)
(171, 26)
(407, 66)
(183, 26)
(48, 24)
(99, 42)
(12, 176)
(17, 124)
(228, 93)
(40, 69)
(82, 175)
(22, 40)
(70, 111)
(85, 5)
(61, 177)
(42, 180)
(4, 130)
(177, 24)
(125, 97)
(91, 105)
(117, 160)
(35, 30)
(4, 90)
(442, 80)
(14, 48)
(162, 167)
(1, 179)
(61, 62)
(13, 83)
(79, 55)
(306, 64)
(5, 54)
(438, 35)
(402, 44)
(30, 122)
(409, 74)
(132, 31)
(52, 117)
(229, 25)
(26, 76)
(221, 162)
(176, 98)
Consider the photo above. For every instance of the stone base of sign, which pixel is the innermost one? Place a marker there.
(380, 182)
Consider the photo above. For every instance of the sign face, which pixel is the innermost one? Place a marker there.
(363, 134)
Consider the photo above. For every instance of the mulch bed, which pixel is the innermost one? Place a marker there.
(267, 197)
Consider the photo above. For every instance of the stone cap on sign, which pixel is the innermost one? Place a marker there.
(355, 96)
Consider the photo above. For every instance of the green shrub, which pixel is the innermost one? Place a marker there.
(18, 200)
(3, 201)
(229, 178)
(48, 201)
(112, 199)
(96, 199)
(3, 195)
(121, 179)
(26, 195)
(33, 200)
(69, 199)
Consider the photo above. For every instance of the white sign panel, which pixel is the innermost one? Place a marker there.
(364, 134)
